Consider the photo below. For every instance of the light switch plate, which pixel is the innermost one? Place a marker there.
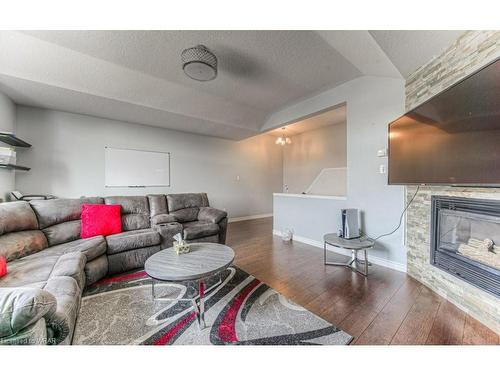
(382, 152)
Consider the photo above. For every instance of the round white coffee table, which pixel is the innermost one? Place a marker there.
(203, 261)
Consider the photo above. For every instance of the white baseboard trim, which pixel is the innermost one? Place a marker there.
(251, 217)
(373, 259)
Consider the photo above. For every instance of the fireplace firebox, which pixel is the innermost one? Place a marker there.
(465, 240)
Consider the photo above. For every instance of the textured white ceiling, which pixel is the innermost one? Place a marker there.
(330, 117)
(362, 50)
(262, 69)
(44, 96)
(136, 76)
(410, 49)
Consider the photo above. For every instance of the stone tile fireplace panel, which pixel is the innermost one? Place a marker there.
(470, 52)
(482, 305)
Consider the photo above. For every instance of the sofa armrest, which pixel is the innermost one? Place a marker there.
(34, 334)
(210, 214)
(57, 328)
(22, 307)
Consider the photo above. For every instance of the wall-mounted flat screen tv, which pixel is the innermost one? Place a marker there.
(453, 138)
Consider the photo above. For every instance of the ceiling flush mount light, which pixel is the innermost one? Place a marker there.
(283, 140)
(199, 63)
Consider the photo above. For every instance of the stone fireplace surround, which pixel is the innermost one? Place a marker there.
(470, 52)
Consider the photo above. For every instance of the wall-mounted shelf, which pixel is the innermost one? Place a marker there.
(14, 167)
(12, 140)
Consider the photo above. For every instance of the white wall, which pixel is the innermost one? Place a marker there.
(7, 124)
(67, 159)
(310, 152)
(372, 102)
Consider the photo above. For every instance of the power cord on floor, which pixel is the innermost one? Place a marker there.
(400, 218)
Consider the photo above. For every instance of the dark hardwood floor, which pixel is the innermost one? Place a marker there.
(388, 307)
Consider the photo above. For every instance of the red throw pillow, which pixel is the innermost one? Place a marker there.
(100, 219)
(3, 266)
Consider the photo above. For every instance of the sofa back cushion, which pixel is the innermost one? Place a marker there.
(157, 204)
(55, 211)
(16, 216)
(135, 211)
(185, 207)
(59, 219)
(19, 234)
(187, 200)
(17, 245)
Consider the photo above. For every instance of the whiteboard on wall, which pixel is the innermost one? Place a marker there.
(136, 168)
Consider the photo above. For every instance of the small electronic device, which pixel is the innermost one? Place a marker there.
(350, 223)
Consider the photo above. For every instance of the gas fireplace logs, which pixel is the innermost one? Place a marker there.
(484, 251)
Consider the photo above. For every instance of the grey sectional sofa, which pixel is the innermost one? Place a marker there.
(49, 265)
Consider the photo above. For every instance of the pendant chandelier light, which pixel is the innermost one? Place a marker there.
(283, 140)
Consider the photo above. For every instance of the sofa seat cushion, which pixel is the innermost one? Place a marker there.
(91, 247)
(213, 239)
(28, 271)
(134, 239)
(37, 270)
(196, 229)
(129, 260)
(20, 244)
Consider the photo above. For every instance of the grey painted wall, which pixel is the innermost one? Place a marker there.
(7, 124)
(67, 159)
(307, 217)
(372, 102)
(310, 152)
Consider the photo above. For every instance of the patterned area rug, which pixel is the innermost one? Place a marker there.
(240, 311)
